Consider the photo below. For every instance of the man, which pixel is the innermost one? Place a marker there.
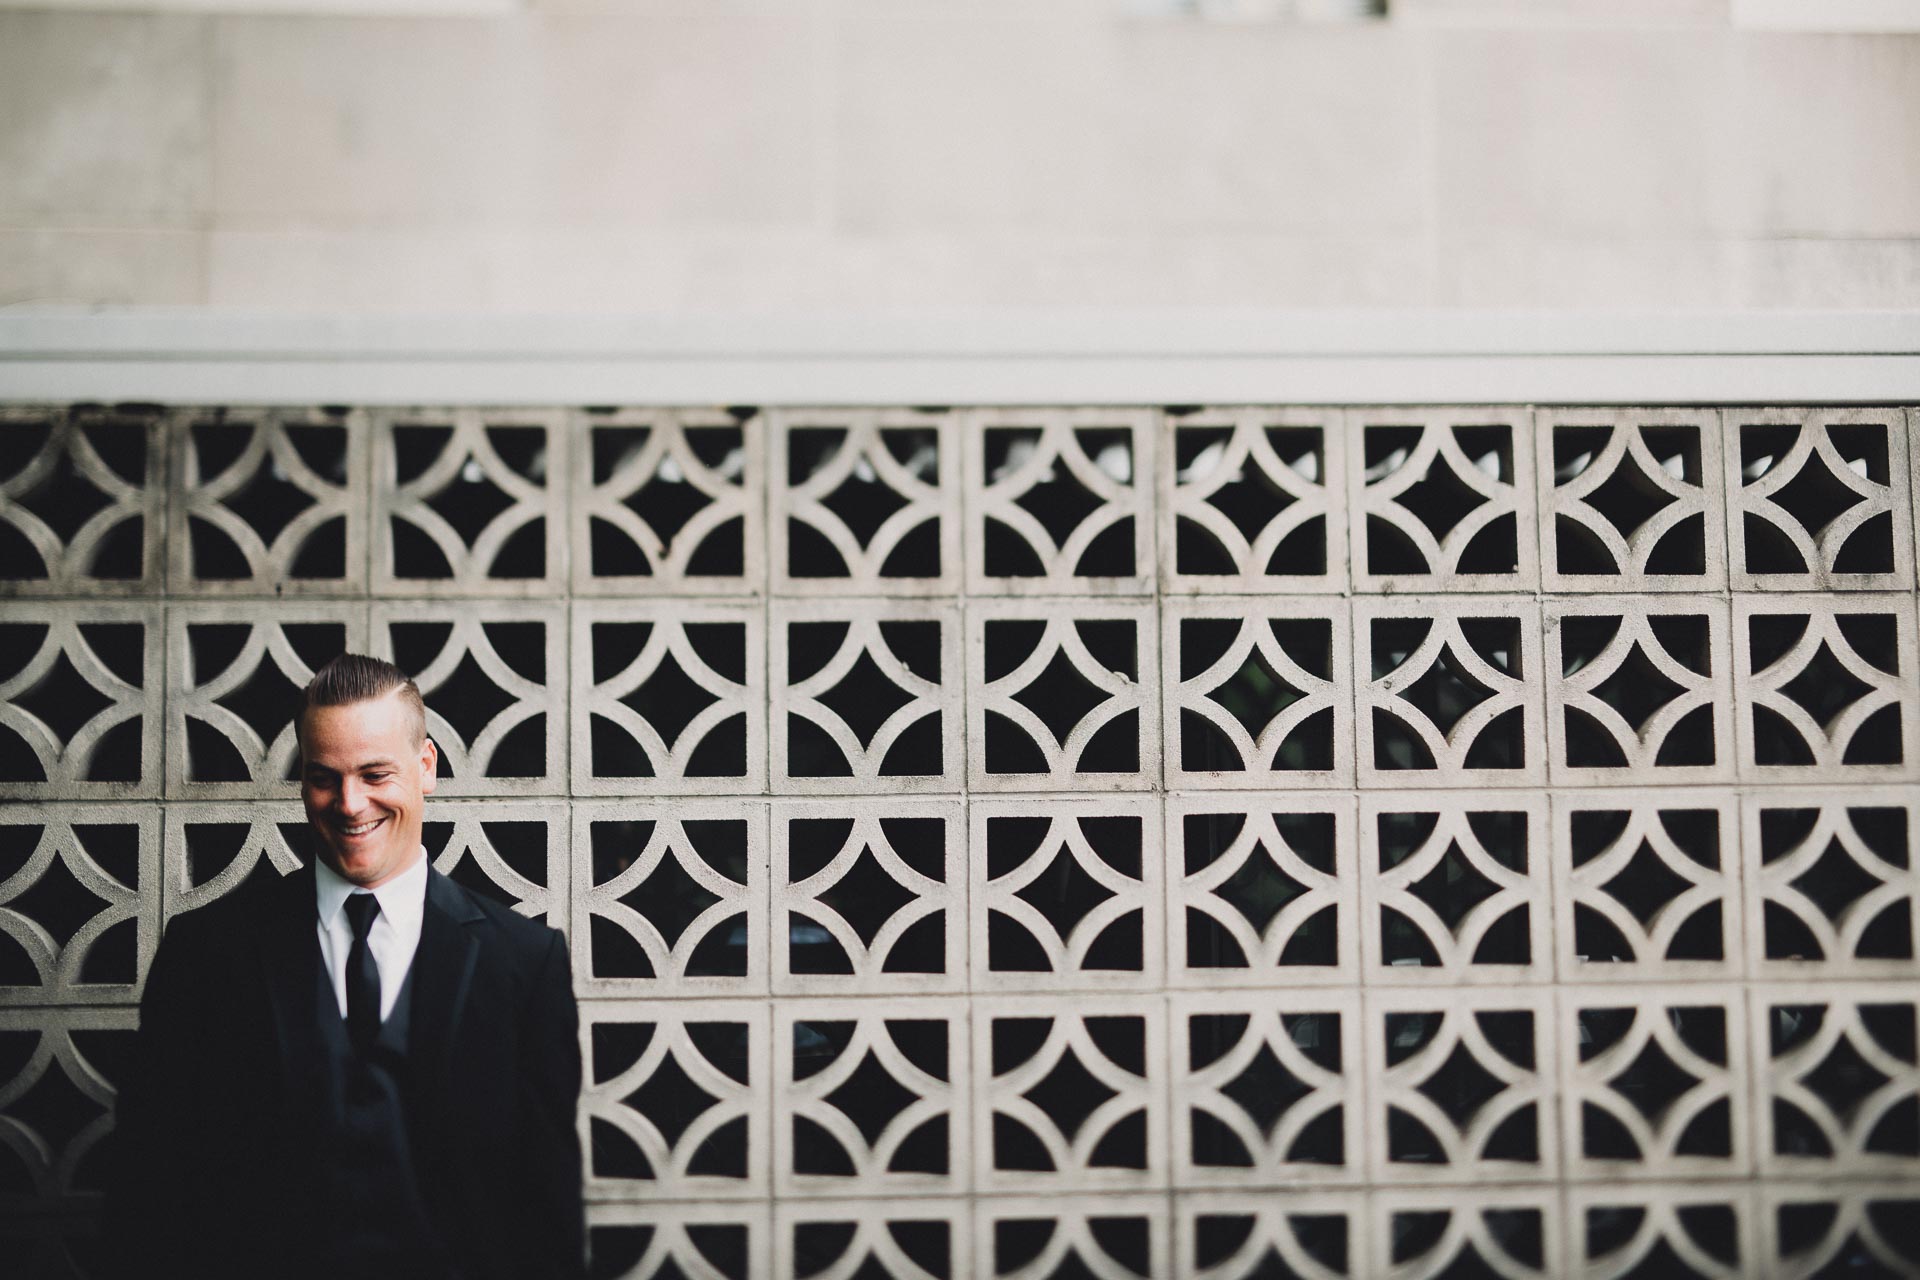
(361, 1069)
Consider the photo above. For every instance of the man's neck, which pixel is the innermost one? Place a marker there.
(419, 855)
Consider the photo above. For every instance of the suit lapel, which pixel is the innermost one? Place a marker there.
(442, 974)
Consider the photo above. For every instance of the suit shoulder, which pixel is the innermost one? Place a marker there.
(209, 948)
(227, 916)
(519, 932)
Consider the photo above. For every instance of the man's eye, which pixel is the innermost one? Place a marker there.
(377, 777)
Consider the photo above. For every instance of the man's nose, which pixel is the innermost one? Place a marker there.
(350, 795)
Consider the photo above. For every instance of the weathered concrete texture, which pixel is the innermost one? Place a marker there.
(87, 265)
(336, 123)
(552, 123)
(104, 120)
(656, 154)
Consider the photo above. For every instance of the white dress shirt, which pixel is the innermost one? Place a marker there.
(395, 935)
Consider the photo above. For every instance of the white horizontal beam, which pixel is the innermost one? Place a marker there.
(192, 333)
(1026, 357)
(1401, 380)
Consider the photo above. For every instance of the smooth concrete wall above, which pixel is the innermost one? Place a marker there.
(666, 156)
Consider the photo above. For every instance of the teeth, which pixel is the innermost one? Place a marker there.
(362, 829)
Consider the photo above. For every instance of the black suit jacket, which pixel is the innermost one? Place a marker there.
(220, 1113)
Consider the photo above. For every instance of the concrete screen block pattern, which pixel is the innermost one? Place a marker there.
(1206, 841)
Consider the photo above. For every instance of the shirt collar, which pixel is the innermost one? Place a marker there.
(403, 899)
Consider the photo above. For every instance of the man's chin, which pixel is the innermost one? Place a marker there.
(361, 866)
(370, 867)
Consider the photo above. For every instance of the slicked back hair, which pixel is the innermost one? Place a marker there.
(354, 677)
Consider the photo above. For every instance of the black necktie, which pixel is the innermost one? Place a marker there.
(363, 975)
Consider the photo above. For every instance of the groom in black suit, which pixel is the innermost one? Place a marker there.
(359, 1070)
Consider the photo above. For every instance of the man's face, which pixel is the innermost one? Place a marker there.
(365, 778)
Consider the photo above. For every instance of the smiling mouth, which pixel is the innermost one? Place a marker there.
(364, 828)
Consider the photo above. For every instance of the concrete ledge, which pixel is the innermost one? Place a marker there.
(1087, 357)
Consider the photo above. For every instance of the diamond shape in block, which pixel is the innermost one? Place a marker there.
(1265, 1091)
(1839, 1076)
(1308, 1232)
(1256, 695)
(1505, 1231)
(1265, 893)
(1250, 501)
(1824, 688)
(1819, 499)
(1441, 500)
(668, 1106)
(1640, 691)
(865, 698)
(663, 502)
(865, 500)
(80, 903)
(1832, 884)
(669, 898)
(1467, 1087)
(1061, 696)
(702, 1238)
(466, 502)
(1645, 884)
(1458, 888)
(60, 659)
(1059, 501)
(57, 1096)
(1447, 697)
(869, 896)
(1657, 1087)
(1631, 499)
(81, 501)
(514, 852)
(1072, 1234)
(668, 696)
(1067, 897)
(1815, 1227)
(269, 502)
(1033, 1064)
(873, 1099)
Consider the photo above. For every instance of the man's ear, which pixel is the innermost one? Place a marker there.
(429, 757)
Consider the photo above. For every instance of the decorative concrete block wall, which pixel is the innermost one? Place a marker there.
(1220, 842)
